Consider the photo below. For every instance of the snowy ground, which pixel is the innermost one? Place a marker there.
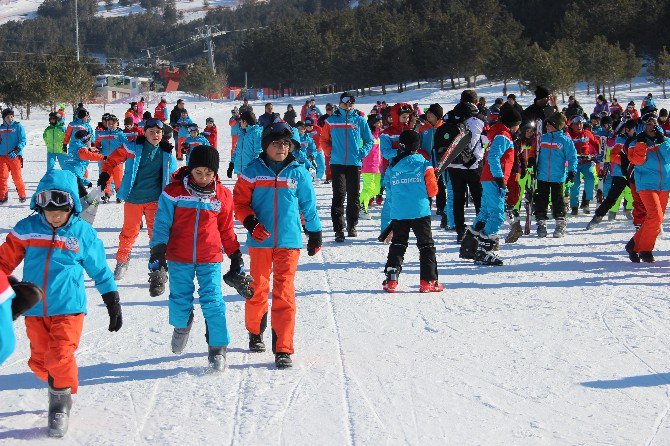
(567, 344)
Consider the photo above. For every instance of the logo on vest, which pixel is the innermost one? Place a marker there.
(216, 205)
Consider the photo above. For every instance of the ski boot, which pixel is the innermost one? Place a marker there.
(432, 286)
(217, 358)
(4, 199)
(256, 344)
(630, 249)
(157, 280)
(574, 211)
(515, 232)
(585, 207)
(628, 214)
(283, 361)
(594, 221)
(105, 198)
(22, 199)
(120, 270)
(180, 336)
(484, 254)
(60, 403)
(559, 231)
(542, 228)
(611, 216)
(459, 236)
(339, 237)
(391, 282)
(444, 222)
(469, 242)
(351, 231)
(647, 257)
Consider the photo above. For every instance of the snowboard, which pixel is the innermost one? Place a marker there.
(458, 144)
(89, 205)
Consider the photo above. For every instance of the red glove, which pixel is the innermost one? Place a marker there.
(259, 233)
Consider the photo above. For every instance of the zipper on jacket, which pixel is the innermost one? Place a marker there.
(274, 224)
(346, 136)
(195, 234)
(46, 269)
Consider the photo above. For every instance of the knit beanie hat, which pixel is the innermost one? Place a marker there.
(510, 117)
(663, 113)
(541, 92)
(408, 141)
(204, 156)
(436, 109)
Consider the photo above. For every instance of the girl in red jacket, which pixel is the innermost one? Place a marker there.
(211, 133)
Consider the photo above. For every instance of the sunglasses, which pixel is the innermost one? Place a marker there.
(153, 123)
(56, 197)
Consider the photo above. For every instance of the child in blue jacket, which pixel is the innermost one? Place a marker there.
(56, 247)
(193, 140)
(194, 224)
(410, 179)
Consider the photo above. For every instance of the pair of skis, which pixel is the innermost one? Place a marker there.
(533, 179)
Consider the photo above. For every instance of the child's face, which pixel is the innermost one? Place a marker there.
(278, 150)
(210, 124)
(404, 118)
(378, 124)
(203, 176)
(301, 130)
(193, 133)
(57, 218)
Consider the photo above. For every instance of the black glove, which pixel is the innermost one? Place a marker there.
(313, 242)
(111, 300)
(27, 296)
(166, 146)
(236, 262)
(64, 148)
(570, 178)
(500, 182)
(103, 179)
(157, 257)
(231, 168)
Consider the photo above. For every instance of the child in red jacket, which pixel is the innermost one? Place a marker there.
(194, 224)
(211, 133)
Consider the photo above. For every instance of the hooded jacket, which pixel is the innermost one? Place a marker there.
(388, 140)
(248, 147)
(55, 259)
(499, 159)
(347, 137)
(12, 136)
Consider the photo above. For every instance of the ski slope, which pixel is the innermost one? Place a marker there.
(566, 344)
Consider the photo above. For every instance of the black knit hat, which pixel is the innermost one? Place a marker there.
(436, 109)
(408, 141)
(469, 96)
(82, 113)
(510, 117)
(204, 156)
(663, 113)
(6, 112)
(541, 92)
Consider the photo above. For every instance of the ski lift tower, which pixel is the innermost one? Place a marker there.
(207, 33)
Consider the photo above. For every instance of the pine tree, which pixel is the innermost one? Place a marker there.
(659, 69)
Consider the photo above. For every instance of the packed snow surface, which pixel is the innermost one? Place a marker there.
(566, 344)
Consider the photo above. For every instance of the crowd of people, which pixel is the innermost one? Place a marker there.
(164, 169)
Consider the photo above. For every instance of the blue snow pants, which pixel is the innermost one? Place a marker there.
(182, 289)
(492, 210)
(51, 161)
(320, 164)
(449, 207)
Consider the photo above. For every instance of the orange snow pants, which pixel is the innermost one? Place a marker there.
(132, 219)
(11, 165)
(284, 262)
(53, 341)
(639, 213)
(116, 176)
(655, 203)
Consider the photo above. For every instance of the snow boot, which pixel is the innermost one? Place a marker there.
(459, 237)
(559, 231)
(611, 216)
(469, 242)
(628, 214)
(4, 199)
(542, 228)
(594, 221)
(431, 286)
(256, 344)
(283, 361)
(105, 198)
(444, 222)
(180, 336)
(515, 232)
(217, 358)
(484, 254)
(60, 403)
(647, 257)
(630, 249)
(339, 237)
(574, 211)
(351, 232)
(22, 199)
(391, 282)
(157, 280)
(585, 207)
(120, 270)
(119, 201)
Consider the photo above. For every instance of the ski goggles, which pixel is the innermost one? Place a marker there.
(577, 119)
(348, 100)
(309, 123)
(153, 122)
(405, 109)
(55, 198)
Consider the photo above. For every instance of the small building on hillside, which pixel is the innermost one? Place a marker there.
(110, 87)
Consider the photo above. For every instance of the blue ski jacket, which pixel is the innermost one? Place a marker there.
(556, 149)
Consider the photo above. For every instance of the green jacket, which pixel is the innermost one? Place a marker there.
(53, 138)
